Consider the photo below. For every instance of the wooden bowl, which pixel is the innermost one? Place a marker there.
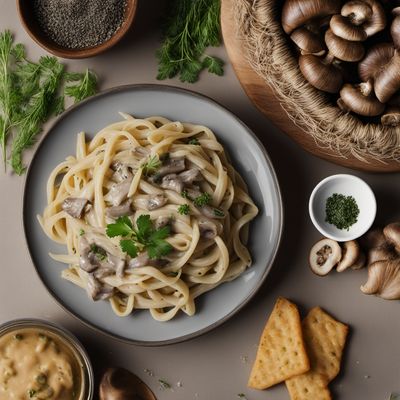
(27, 17)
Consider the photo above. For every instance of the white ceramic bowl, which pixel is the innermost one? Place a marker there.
(348, 185)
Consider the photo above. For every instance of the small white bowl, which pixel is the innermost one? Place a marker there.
(348, 185)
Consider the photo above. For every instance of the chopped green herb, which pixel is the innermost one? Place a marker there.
(341, 211)
(173, 273)
(151, 165)
(100, 253)
(185, 195)
(219, 213)
(81, 232)
(143, 237)
(194, 141)
(202, 200)
(189, 28)
(164, 384)
(184, 209)
(18, 336)
(242, 396)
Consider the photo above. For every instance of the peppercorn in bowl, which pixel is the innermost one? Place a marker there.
(76, 28)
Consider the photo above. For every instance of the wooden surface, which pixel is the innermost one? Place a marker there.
(264, 99)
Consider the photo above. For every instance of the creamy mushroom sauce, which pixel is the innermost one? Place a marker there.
(34, 364)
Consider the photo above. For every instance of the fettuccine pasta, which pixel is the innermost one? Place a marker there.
(152, 214)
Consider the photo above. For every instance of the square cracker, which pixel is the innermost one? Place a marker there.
(325, 340)
(281, 352)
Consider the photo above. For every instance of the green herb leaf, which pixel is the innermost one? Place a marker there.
(184, 209)
(185, 195)
(394, 396)
(219, 213)
(81, 232)
(122, 227)
(164, 384)
(128, 246)
(151, 165)
(158, 248)
(145, 228)
(100, 253)
(194, 141)
(202, 200)
(189, 28)
(242, 396)
(86, 86)
(341, 211)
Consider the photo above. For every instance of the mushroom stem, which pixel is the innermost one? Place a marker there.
(391, 117)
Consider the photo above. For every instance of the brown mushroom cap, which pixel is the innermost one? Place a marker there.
(324, 255)
(350, 254)
(360, 99)
(395, 30)
(345, 29)
(375, 60)
(321, 73)
(343, 49)
(392, 235)
(308, 42)
(387, 80)
(296, 13)
(121, 384)
(377, 22)
(357, 11)
(391, 117)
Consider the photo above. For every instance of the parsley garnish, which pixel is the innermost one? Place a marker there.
(194, 141)
(164, 384)
(219, 213)
(185, 195)
(81, 232)
(151, 165)
(184, 209)
(143, 237)
(189, 28)
(100, 253)
(202, 200)
(242, 396)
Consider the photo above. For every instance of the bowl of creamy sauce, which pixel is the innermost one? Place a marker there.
(42, 361)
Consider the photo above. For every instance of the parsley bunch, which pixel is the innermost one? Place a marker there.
(190, 27)
(30, 93)
(143, 237)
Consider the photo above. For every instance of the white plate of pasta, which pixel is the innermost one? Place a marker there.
(151, 213)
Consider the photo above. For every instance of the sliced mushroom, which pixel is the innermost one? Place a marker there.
(156, 201)
(141, 151)
(117, 263)
(103, 272)
(122, 171)
(209, 229)
(324, 255)
(191, 175)
(296, 13)
(192, 192)
(74, 206)
(360, 99)
(97, 290)
(121, 210)
(383, 279)
(171, 165)
(392, 235)
(172, 182)
(308, 42)
(342, 49)
(321, 72)
(162, 221)
(212, 212)
(391, 117)
(88, 261)
(118, 192)
(121, 384)
(143, 260)
(360, 262)
(350, 254)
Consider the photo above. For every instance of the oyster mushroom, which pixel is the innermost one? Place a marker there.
(321, 72)
(377, 21)
(143, 260)
(171, 165)
(172, 182)
(392, 235)
(121, 384)
(383, 279)
(98, 290)
(360, 262)
(209, 229)
(296, 13)
(360, 99)
(308, 42)
(212, 212)
(75, 206)
(88, 260)
(191, 175)
(324, 255)
(156, 201)
(119, 192)
(350, 255)
(121, 210)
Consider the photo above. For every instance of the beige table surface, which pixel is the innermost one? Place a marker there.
(214, 366)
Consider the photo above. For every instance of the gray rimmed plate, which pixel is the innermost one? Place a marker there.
(249, 158)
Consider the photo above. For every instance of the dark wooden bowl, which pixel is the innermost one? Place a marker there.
(30, 24)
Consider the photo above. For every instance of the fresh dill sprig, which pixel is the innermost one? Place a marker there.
(189, 28)
(152, 164)
(85, 87)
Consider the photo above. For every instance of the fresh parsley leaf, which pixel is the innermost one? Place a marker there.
(151, 165)
(100, 253)
(219, 213)
(194, 141)
(122, 227)
(81, 232)
(158, 248)
(184, 209)
(202, 200)
(128, 246)
(144, 228)
(159, 234)
(214, 65)
(86, 85)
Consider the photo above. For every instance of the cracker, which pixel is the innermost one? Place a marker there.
(281, 352)
(325, 339)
